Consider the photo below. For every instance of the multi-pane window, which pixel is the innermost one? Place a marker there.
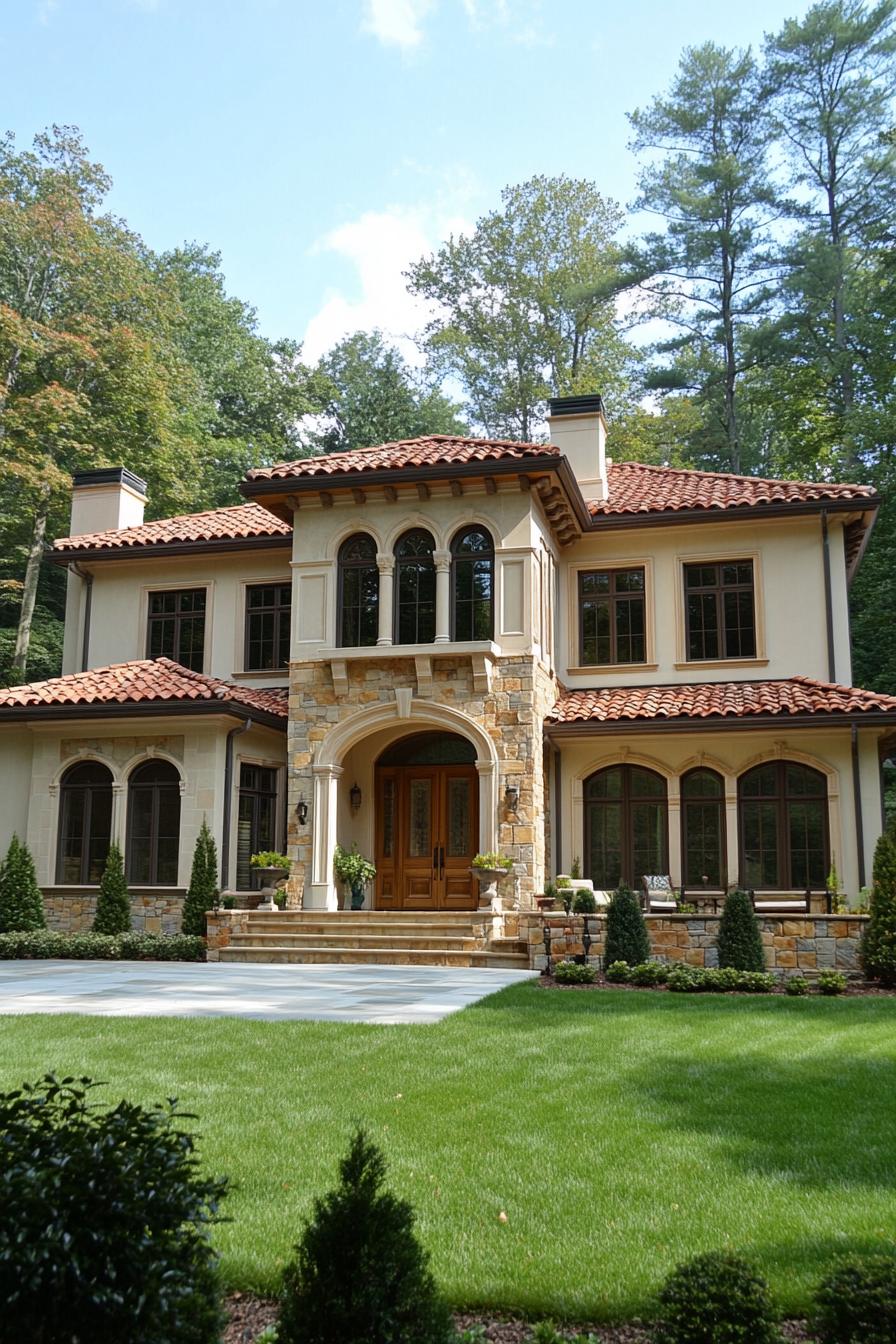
(703, 828)
(473, 580)
(626, 826)
(176, 626)
(256, 820)
(357, 625)
(783, 827)
(720, 610)
(267, 626)
(612, 617)
(153, 824)
(85, 823)
(415, 588)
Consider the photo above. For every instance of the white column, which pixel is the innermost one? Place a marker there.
(442, 561)
(488, 807)
(731, 838)
(386, 566)
(119, 816)
(321, 893)
(676, 862)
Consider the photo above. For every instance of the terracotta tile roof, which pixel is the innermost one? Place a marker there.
(433, 450)
(149, 681)
(234, 523)
(717, 700)
(635, 488)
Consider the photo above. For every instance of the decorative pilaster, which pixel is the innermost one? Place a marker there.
(386, 565)
(322, 892)
(442, 562)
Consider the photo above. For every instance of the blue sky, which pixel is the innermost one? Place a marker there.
(322, 145)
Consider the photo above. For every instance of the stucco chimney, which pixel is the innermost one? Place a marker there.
(578, 428)
(107, 497)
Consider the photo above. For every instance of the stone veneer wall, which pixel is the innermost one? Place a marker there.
(74, 913)
(512, 712)
(801, 945)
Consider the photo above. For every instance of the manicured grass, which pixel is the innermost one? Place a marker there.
(621, 1132)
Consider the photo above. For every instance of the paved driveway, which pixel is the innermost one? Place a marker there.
(276, 993)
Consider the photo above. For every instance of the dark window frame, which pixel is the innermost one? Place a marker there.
(256, 794)
(625, 801)
(417, 561)
(472, 559)
(718, 591)
(695, 881)
(155, 787)
(782, 800)
(614, 600)
(179, 618)
(342, 565)
(89, 789)
(277, 609)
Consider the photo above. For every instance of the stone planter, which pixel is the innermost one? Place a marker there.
(271, 879)
(488, 886)
(545, 902)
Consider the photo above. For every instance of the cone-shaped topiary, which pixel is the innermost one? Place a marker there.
(739, 941)
(878, 950)
(21, 902)
(627, 938)
(203, 883)
(360, 1275)
(113, 904)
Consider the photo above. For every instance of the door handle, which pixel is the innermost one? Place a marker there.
(441, 861)
(435, 859)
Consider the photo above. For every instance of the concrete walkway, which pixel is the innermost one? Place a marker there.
(380, 994)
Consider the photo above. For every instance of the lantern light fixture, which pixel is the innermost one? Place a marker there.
(354, 796)
(511, 795)
(302, 810)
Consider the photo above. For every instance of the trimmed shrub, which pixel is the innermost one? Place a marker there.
(721, 979)
(85, 1254)
(618, 972)
(573, 973)
(649, 973)
(878, 947)
(716, 1298)
(40, 943)
(360, 1275)
(797, 986)
(21, 902)
(856, 1302)
(627, 938)
(686, 979)
(583, 902)
(113, 904)
(161, 947)
(203, 889)
(45, 943)
(831, 982)
(739, 941)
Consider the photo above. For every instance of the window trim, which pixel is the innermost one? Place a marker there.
(782, 802)
(341, 567)
(613, 599)
(180, 586)
(278, 610)
(154, 835)
(720, 556)
(83, 881)
(570, 575)
(490, 556)
(721, 801)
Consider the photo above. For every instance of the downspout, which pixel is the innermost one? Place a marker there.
(828, 598)
(228, 798)
(558, 812)
(87, 579)
(857, 798)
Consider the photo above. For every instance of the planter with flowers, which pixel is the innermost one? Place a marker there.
(355, 871)
(490, 868)
(273, 870)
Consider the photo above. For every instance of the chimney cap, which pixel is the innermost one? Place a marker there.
(591, 404)
(108, 476)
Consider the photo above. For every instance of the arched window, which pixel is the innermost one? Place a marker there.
(626, 826)
(783, 827)
(359, 592)
(703, 828)
(85, 823)
(153, 824)
(415, 588)
(472, 584)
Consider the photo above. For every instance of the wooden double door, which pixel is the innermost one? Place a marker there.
(427, 827)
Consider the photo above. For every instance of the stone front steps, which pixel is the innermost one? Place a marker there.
(370, 937)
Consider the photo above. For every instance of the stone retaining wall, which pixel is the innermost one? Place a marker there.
(801, 945)
(73, 912)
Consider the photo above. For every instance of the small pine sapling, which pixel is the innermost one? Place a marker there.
(878, 949)
(203, 889)
(113, 904)
(739, 940)
(627, 938)
(21, 902)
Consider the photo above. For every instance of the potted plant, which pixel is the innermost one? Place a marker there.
(273, 869)
(489, 868)
(355, 871)
(549, 899)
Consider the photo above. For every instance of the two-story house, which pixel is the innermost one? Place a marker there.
(448, 646)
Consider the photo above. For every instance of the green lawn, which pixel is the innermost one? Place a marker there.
(621, 1132)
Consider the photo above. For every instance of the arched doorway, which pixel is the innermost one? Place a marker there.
(427, 823)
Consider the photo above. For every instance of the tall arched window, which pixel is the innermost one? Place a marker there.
(85, 823)
(472, 584)
(415, 588)
(359, 591)
(783, 827)
(703, 828)
(153, 824)
(626, 826)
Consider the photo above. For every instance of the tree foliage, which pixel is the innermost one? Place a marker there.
(203, 886)
(739, 941)
(879, 941)
(21, 902)
(113, 902)
(627, 938)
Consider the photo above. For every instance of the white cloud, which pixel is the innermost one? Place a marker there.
(396, 23)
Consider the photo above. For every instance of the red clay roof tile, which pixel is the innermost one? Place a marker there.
(234, 523)
(431, 450)
(635, 488)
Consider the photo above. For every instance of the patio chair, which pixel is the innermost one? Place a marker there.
(779, 903)
(658, 894)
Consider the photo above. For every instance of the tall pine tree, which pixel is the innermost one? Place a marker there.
(113, 903)
(203, 886)
(21, 902)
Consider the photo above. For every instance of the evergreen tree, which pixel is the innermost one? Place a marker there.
(21, 902)
(740, 942)
(113, 904)
(878, 950)
(360, 1275)
(203, 886)
(627, 938)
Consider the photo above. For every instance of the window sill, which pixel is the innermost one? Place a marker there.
(591, 668)
(253, 675)
(450, 649)
(722, 662)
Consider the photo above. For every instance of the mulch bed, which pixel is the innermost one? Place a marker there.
(250, 1315)
(855, 989)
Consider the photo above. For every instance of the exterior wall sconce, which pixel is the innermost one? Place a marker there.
(302, 810)
(511, 796)
(354, 797)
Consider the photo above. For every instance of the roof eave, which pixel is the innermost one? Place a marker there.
(165, 548)
(173, 708)
(714, 722)
(669, 517)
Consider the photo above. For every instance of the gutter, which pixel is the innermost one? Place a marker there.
(228, 797)
(87, 580)
(828, 597)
